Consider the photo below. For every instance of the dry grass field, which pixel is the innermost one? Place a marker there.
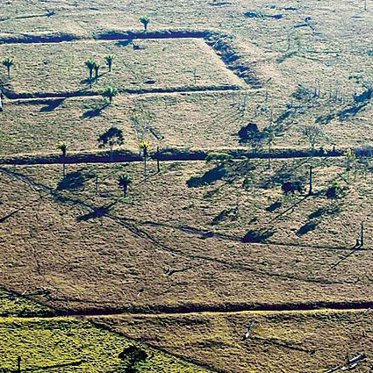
(280, 342)
(197, 121)
(182, 264)
(302, 250)
(50, 68)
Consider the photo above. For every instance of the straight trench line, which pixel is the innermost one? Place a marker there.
(88, 317)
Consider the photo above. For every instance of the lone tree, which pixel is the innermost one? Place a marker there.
(8, 63)
(63, 147)
(145, 21)
(145, 148)
(90, 64)
(109, 61)
(312, 133)
(112, 137)
(96, 67)
(124, 182)
(110, 93)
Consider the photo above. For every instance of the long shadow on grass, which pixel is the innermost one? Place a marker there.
(210, 176)
(135, 230)
(92, 113)
(52, 105)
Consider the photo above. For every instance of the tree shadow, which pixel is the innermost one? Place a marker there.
(124, 43)
(97, 213)
(215, 174)
(6, 217)
(92, 113)
(72, 181)
(306, 228)
(257, 236)
(275, 206)
(52, 105)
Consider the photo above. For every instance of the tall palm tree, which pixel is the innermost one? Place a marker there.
(110, 93)
(96, 67)
(124, 182)
(90, 64)
(145, 147)
(8, 63)
(145, 21)
(63, 147)
(109, 61)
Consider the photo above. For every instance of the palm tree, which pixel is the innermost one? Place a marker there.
(8, 63)
(110, 93)
(109, 61)
(96, 67)
(145, 147)
(145, 21)
(124, 182)
(90, 64)
(63, 147)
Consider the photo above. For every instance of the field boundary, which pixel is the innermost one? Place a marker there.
(167, 154)
(221, 43)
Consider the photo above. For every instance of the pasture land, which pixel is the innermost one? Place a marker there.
(59, 68)
(68, 345)
(209, 121)
(312, 341)
(214, 242)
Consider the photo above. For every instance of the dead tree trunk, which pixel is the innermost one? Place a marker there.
(311, 181)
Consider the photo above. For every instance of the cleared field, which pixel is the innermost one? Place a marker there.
(60, 68)
(304, 252)
(207, 121)
(68, 345)
(38, 126)
(205, 246)
(293, 342)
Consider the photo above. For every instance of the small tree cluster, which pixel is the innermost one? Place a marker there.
(95, 67)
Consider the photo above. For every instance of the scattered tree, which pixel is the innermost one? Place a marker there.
(90, 64)
(110, 93)
(145, 148)
(124, 182)
(145, 21)
(112, 137)
(8, 63)
(96, 67)
(109, 61)
(63, 147)
(312, 133)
